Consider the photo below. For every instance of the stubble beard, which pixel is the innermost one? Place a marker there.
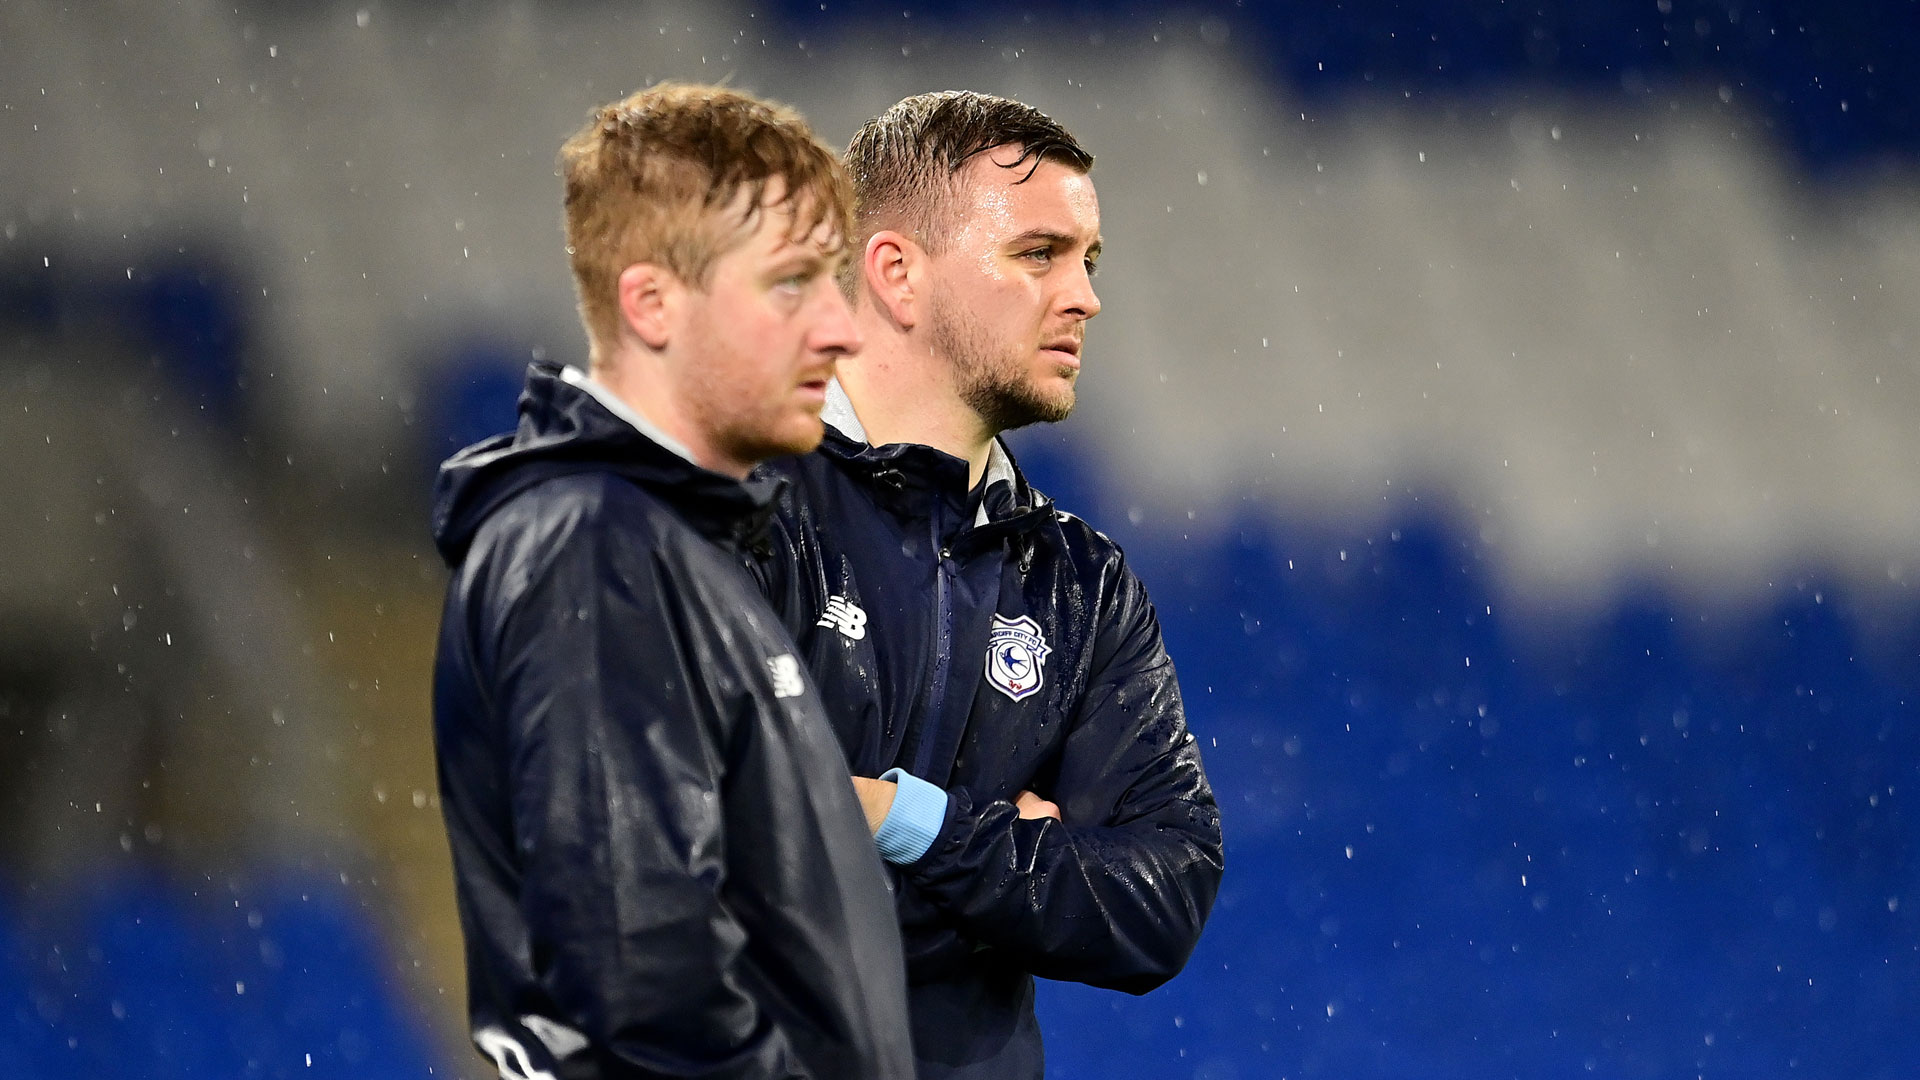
(745, 428)
(768, 429)
(995, 382)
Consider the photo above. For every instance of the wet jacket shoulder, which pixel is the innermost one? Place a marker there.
(654, 844)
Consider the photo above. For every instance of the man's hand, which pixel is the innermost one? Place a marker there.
(1033, 806)
(876, 798)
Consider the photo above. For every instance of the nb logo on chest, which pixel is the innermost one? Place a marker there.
(845, 616)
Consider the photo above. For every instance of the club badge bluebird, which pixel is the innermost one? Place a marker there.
(1016, 651)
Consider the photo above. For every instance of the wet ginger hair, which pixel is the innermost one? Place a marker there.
(657, 177)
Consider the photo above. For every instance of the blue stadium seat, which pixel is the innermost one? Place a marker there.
(138, 996)
(321, 1000)
(1616, 851)
(30, 1044)
(140, 979)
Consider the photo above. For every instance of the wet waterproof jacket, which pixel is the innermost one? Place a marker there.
(661, 867)
(905, 595)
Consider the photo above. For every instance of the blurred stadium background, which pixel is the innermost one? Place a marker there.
(1511, 407)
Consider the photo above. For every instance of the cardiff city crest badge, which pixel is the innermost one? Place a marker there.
(1016, 650)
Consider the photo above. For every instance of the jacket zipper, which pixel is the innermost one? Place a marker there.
(943, 640)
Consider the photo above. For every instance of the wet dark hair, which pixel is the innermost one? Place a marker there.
(903, 163)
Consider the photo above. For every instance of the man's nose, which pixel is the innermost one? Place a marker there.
(1079, 298)
(836, 334)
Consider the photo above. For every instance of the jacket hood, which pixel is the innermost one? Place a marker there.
(563, 430)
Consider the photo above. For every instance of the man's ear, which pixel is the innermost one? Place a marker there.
(893, 269)
(649, 302)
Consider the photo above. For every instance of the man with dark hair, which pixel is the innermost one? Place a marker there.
(994, 669)
(661, 868)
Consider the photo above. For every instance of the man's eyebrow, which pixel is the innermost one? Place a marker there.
(1050, 236)
(801, 258)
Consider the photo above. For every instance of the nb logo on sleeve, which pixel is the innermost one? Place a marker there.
(512, 1059)
(845, 616)
(786, 676)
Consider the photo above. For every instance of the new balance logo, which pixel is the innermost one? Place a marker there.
(845, 616)
(786, 676)
(508, 1055)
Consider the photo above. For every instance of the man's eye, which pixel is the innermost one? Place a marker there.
(1092, 267)
(1041, 254)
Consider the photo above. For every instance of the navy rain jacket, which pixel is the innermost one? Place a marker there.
(1115, 893)
(662, 869)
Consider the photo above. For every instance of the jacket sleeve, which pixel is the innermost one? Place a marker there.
(616, 773)
(1115, 893)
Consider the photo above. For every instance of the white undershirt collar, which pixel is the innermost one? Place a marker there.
(573, 376)
(838, 411)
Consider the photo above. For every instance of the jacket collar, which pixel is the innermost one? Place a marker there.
(907, 477)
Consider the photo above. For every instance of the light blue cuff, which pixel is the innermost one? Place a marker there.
(918, 811)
